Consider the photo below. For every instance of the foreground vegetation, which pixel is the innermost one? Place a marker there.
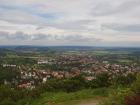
(70, 98)
(59, 92)
(126, 96)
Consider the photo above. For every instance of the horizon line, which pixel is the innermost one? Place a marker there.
(71, 46)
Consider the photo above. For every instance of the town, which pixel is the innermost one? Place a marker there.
(67, 66)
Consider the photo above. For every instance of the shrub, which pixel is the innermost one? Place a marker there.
(136, 85)
(132, 100)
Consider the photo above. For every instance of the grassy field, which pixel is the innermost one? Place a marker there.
(63, 98)
(124, 61)
(102, 52)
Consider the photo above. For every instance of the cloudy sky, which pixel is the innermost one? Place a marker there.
(70, 22)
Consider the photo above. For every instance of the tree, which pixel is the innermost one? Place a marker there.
(102, 80)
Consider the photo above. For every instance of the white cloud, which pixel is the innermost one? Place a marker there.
(113, 22)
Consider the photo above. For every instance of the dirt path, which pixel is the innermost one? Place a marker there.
(88, 102)
(92, 101)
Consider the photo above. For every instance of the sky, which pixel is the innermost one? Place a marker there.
(70, 22)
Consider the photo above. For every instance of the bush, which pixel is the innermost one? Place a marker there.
(132, 100)
(124, 80)
(102, 80)
(65, 85)
(136, 85)
(116, 98)
(7, 101)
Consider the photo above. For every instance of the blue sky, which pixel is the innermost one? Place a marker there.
(70, 22)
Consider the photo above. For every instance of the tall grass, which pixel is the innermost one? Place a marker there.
(63, 97)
